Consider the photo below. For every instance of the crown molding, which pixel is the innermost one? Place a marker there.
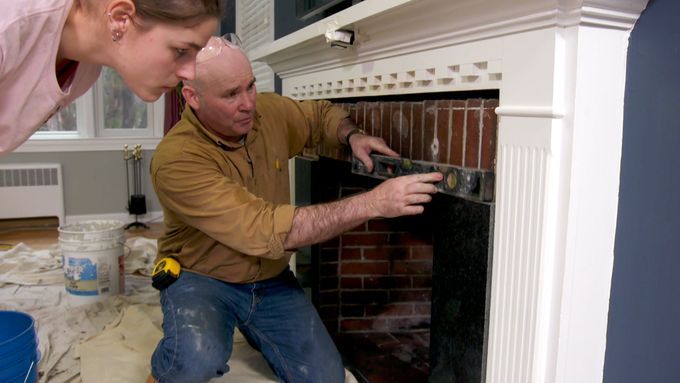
(390, 28)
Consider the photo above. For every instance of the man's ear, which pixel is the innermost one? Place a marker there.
(120, 13)
(190, 96)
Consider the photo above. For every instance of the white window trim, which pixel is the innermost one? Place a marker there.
(88, 139)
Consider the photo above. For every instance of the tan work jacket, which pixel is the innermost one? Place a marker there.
(226, 205)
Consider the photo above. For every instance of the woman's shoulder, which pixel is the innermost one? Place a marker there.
(27, 25)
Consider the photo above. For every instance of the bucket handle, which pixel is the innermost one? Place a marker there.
(30, 368)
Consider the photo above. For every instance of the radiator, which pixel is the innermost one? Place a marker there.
(31, 190)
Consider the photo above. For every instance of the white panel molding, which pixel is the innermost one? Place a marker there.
(559, 67)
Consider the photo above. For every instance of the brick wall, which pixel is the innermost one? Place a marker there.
(456, 132)
(378, 276)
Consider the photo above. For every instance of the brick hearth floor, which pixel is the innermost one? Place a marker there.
(386, 357)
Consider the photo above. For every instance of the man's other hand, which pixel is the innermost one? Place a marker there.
(363, 145)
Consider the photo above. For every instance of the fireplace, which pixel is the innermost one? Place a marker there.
(406, 298)
(559, 69)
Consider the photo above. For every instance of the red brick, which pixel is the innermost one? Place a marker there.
(489, 135)
(358, 228)
(364, 268)
(408, 324)
(351, 325)
(349, 311)
(422, 308)
(457, 132)
(380, 224)
(394, 309)
(420, 281)
(350, 254)
(472, 133)
(351, 282)
(401, 282)
(406, 129)
(352, 108)
(412, 268)
(430, 147)
(382, 283)
(395, 126)
(386, 124)
(414, 295)
(369, 239)
(443, 128)
(417, 119)
(373, 119)
(422, 252)
(382, 339)
(385, 253)
(361, 114)
(409, 239)
(364, 297)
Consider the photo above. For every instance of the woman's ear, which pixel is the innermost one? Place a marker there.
(119, 13)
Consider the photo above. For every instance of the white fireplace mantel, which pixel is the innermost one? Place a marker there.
(559, 67)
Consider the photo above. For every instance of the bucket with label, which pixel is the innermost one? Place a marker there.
(19, 354)
(93, 258)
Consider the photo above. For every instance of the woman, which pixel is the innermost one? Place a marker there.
(51, 52)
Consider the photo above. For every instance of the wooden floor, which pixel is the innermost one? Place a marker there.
(42, 233)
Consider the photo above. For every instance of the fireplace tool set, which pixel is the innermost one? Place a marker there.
(133, 170)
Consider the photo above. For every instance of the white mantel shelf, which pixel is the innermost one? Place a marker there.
(559, 67)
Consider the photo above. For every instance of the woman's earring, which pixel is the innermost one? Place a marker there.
(116, 35)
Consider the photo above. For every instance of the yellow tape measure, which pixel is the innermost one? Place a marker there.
(165, 273)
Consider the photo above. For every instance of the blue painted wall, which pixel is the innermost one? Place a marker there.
(643, 338)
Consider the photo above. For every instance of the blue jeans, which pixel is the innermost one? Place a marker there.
(275, 317)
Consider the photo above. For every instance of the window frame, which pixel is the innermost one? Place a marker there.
(91, 135)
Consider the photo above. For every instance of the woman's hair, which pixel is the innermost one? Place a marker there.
(178, 11)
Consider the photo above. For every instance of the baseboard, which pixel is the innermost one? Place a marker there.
(152, 216)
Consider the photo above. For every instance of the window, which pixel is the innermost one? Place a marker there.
(104, 118)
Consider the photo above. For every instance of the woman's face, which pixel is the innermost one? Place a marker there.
(153, 61)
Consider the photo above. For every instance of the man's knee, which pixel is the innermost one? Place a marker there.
(195, 360)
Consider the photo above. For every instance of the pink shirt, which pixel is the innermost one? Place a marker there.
(30, 31)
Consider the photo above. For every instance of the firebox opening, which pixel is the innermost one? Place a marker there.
(406, 299)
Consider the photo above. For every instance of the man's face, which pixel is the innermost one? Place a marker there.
(226, 103)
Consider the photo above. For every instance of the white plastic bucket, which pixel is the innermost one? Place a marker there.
(93, 259)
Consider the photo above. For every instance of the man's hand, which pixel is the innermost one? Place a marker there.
(403, 195)
(363, 145)
(395, 197)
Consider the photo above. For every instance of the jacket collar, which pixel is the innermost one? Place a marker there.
(189, 115)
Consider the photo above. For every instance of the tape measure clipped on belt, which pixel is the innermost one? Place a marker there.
(165, 273)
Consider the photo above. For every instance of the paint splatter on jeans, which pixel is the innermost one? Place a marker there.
(275, 317)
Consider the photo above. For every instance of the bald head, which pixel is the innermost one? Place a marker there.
(222, 61)
(223, 94)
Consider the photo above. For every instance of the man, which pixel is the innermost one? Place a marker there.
(221, 175)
